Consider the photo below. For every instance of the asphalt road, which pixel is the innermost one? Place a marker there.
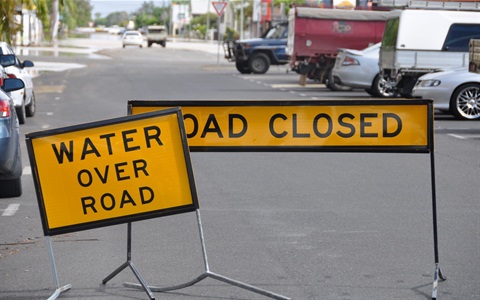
(302, 225)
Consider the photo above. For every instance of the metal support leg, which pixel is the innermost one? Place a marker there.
(212, 275)
(58, 288)
(130, 264)
(438, 272)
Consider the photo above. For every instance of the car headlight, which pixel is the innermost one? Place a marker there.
(429, 83)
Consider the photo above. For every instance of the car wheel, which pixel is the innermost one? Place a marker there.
(11, 188)
(242, 68)
(31, 108)
(330, 83)
(123, 46)
(259, 63)
(465, 102)
(371, 93)
(21, 113)
(149, 44)
(382, 88)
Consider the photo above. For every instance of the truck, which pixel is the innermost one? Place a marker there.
(258, 54)
(421, 41)
(316, 34)
(156, 34)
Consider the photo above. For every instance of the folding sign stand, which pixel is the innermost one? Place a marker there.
(130, 264)
(206, 274)
(58, 289)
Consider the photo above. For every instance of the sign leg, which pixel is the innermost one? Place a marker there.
(58, 288)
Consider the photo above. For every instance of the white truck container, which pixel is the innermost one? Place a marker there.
(420, 41)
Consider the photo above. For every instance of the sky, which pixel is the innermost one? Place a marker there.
(106, 7)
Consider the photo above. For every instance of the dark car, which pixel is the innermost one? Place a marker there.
(10, 156)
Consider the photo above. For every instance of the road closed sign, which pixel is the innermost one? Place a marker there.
(380, 125)
(113, 171)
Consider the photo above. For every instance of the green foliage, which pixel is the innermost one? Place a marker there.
(8, 27)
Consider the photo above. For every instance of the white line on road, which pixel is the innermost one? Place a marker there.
(11, 209)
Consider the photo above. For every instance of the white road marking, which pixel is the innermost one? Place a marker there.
(27, 170)
(458, 136)
(11, 209)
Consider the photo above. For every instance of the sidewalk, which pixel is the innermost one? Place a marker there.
(91, 46)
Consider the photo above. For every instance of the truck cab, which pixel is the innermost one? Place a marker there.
(256, 55)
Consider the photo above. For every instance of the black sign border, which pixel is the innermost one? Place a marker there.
(117, 220)
(378, 149)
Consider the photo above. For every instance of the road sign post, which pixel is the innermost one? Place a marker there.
(219, 7)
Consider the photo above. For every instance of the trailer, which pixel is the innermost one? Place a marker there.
(316, 34)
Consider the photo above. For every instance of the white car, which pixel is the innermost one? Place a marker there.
(456, 91)
(360, 69)
(24, 99)
(132, 38)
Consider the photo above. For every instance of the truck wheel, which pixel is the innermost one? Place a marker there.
(465, 103)
(242, 68)
(163, 44)
(381, 88)
(259, 63)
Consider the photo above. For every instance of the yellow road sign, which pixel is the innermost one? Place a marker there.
(112, 171)
(303, 126)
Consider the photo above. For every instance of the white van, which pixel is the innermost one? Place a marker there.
(420, 41)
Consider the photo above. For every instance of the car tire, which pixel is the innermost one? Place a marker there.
(259, 63)
(11, 188)
(371, 93)
(31, 108)
(381, 88)
(242, 68)
(21, 113)
(149, 44)
(465, 102)
(330, 83)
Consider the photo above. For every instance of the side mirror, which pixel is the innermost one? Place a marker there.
(27, 64)
(12, 84)
(7, 60)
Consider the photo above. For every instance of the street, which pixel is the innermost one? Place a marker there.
(302, 225)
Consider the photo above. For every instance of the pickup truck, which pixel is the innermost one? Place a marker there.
(412, 46)
(156, 34)
(256, 55)
(315, 36)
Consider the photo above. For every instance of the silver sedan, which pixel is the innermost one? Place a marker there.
(456, 91)
(360, 69)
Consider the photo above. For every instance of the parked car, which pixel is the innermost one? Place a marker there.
(456, 91)
(24, 99)
(10, 156)
(132, 38)
(360, 69)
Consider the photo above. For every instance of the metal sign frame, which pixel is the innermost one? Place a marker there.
(427, 149)
(176, 112)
